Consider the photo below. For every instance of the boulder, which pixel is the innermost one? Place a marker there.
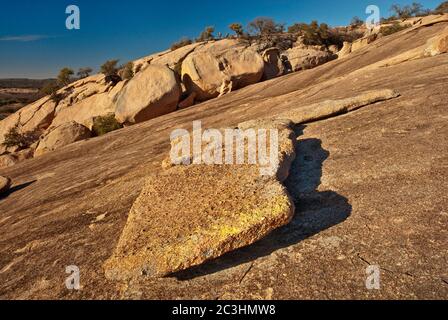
(85, 110)
(10, 159)
(174, 59)
(61, 136)
(307, 57)
(152, 92)
(346, 50)
(334, 49)
(214, 68)
(191, 214)
(35, 117)
(437, 45)
(5, 184)
(273, 64)
(329, 108)
(7, 160)
(363, 42)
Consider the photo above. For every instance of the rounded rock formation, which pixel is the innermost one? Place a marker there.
(220, 67)
(153, 92)
(307, 57)
(273, 67)
(61, 136)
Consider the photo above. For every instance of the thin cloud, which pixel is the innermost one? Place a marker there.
(24, 38)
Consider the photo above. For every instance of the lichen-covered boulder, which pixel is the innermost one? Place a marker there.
(191, 214)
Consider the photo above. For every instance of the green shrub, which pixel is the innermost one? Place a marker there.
(109, 68)
(105, 124)
(356, 22)
(442, 8)
(404, 12)
(395, 27)
(181, 43)
(84, 72)
(127, 71)
(65, 76)
(13, 138)
(206, 35)
(237, 28)
(316, 34)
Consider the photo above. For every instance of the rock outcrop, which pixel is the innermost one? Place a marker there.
(212, 209)
(363, 42)
(12, 158)
(374, 176)
(346, 50)
(307, 57)
(220, 67)
(86, 99)
(273, 64)
(7, 160)
(153, 92)
(437, 45)
(329, 108)
(36, 117)
(61, 136)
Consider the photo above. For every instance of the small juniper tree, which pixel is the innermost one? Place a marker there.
(127, 71)
(181, 43)
(207, 34)
(64, 76)
(109, 68)
(356, 22)
(84, 72)
(442, 8)
(13, 138)
(237, 28)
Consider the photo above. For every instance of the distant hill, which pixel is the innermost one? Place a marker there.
(24, 83)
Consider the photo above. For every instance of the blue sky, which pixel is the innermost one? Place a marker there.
(34, 42)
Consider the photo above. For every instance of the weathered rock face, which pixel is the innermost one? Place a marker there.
(307, 57)
(326, 109)
(346, 50)
(172, 59)
(220, 67)
(363, 42)
(34, 117)
(61, 136)
(273, 64)
(86, 99)
(438, 45)
(153, 92)
(5, 184)
(7, 160)
(216, 209)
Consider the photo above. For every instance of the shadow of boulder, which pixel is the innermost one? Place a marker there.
(315, 212)
(15, 189)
